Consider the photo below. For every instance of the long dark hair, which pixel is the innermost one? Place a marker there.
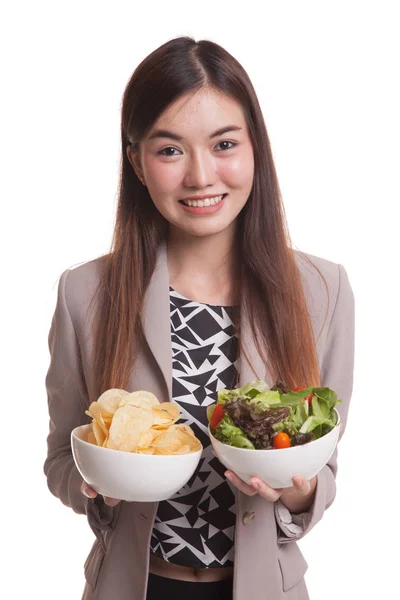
(271, 290)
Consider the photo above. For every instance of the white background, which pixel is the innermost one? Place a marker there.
(326, 74)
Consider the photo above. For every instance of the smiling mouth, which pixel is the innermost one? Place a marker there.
(206, 202)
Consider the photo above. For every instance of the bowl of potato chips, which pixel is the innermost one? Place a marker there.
(134, 449)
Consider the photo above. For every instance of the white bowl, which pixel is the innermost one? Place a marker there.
(277, 466)
(130, 476)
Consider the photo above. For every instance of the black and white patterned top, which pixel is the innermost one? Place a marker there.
(196, 527)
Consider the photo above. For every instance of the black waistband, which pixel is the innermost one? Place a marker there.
(178, 589)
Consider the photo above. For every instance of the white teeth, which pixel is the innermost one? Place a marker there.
(205, 202)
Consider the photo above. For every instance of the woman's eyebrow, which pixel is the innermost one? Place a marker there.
(164, 133)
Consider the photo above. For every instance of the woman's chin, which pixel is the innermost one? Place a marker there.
(206, 230)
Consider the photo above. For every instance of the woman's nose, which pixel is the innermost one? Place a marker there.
(200, 172)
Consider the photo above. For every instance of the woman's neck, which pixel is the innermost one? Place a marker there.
(205, 269)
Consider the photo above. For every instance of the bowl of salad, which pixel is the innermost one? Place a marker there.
(274, 433)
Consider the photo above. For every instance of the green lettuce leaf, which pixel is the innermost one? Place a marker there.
(297, 417)
(287, 425)
(313, 422)
(293, 398)
(253, 388)
(228, 433)
(225, 395)
(241, 441)
(266, 399)
(321, 408)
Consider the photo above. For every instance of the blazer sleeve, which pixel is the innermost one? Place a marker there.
(337, 373)
(67, 398)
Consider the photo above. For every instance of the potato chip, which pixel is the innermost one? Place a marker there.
(172, 408)
(95, 409)
(146, 440)
(160, 428)
(140, 395)
(91, 438)
(110, 399)
(167, 442)
(161, 421)
(128, 425)
(184, 428)
(183, 450)
(103, 424)
(141, 402)
(156, 432)
(145, 450)
(98, 431)
(165, 414)
(187, 437)
(171, 448)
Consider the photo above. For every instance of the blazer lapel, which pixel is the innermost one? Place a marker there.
(156, 318)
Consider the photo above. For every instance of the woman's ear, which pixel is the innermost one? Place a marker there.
(134, 159)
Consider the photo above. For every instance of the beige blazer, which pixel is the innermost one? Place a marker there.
(268, 564)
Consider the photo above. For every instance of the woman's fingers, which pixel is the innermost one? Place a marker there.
(111, 501)
(91, 493)
(87, 490)
(258, 486)
(300, 484)
(265, 490)
(240, 484)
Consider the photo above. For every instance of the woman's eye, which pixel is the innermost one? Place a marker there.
(164, 152)
(226, 142)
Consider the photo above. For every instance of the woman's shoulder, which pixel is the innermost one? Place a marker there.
(310, 265)
(87, 271)
(322, 279)
(314, 270)
(79, 283)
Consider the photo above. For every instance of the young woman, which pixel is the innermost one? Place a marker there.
(201, 290)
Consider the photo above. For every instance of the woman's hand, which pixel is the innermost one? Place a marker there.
(297, 499)
(91, 493)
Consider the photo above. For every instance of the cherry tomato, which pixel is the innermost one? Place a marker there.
(217, 415)
(281, 440)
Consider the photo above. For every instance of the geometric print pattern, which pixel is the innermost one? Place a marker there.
(196, 526)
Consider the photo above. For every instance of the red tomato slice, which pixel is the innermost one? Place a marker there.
(217, 415)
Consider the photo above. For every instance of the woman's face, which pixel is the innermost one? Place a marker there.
(186, 154)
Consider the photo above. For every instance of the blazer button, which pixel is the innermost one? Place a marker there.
(248, 517)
